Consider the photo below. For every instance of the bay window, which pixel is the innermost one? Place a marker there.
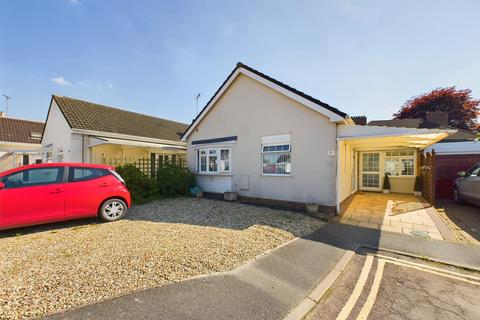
(213, 160)
(400, 163)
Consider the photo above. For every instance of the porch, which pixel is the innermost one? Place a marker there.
(146, 156)
(394, 212)
(367, 154)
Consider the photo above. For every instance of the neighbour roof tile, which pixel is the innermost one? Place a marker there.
(460, 135)
(20, 131)
(96, 117)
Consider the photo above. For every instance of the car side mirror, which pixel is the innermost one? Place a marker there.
(2, 185)
(461, 174)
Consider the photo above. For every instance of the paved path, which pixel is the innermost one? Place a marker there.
(394, 212)
(271, 286)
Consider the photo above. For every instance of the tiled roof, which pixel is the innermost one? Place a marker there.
(403, 123)
(460, 135)
(20, 131)
(96, 117)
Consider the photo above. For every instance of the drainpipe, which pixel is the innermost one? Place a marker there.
(83, 148)
(337, 177)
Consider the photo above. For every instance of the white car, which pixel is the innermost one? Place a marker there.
(467, 186)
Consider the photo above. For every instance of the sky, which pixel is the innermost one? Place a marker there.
(153, 57)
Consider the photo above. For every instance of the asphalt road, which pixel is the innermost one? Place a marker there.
(396, 287)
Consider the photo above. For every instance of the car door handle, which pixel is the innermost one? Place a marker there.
(103, 185)
(56, 191)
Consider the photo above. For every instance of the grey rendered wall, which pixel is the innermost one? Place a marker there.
(250, 110)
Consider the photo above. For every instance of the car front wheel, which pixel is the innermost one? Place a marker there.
(113, 210)
(456, 196)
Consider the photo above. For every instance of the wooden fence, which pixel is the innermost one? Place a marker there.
(148, 166)
(427, 169)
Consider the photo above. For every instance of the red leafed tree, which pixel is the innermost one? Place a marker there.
(462, 109)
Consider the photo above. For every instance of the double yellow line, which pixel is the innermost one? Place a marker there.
(372, 296)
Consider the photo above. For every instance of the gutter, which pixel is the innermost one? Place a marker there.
(128, 137)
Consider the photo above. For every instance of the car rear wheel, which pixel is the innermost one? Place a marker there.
(456, 196)
(113, 210)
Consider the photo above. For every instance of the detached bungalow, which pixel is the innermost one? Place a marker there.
(272, 143)
(19, 142)
(81, 131)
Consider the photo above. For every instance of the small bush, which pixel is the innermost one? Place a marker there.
(174, 180)
(141, 187)
(418, 184)
(386, 182)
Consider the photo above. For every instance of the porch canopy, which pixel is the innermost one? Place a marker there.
(352, 140)
(135, 143)
(372, 137)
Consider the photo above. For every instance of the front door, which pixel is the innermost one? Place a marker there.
(370, 171)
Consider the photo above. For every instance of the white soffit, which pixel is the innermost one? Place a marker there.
(372, 137)
(452, 148)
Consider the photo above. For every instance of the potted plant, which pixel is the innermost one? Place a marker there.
(417, 188)
(386, 184)
(312, 207)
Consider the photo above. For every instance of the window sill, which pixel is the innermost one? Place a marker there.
(275, 175)
(214, 174)
(401, 177)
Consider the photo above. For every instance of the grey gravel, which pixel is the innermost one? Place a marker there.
(61, 266)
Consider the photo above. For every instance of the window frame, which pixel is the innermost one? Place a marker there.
(270, 152)
(218, 155)
(71, 172)
(60, 177)
(399, 158)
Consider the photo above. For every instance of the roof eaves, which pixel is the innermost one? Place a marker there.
(281, 84)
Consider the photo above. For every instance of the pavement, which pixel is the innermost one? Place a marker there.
(272, 285)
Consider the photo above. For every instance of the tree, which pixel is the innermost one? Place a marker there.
(462, 109)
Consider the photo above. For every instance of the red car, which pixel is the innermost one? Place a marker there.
(49, 192)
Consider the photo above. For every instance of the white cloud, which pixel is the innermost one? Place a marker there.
(110, 85)
(61, 81)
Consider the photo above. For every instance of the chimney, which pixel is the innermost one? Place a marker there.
(3, 114)
(359, 120)
(438, 117)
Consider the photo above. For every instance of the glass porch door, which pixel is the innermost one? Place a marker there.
(370, 171)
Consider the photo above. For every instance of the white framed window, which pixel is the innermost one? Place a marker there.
(400, 163)
(276, 155)
(214, 160)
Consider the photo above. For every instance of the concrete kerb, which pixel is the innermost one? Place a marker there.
(300, 311)
(442, 261)
(316, 295)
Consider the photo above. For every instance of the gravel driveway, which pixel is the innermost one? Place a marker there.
(49, 268)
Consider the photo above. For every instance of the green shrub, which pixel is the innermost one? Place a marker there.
(418, 184)
(386, 182)
(141, 187)
(173, 180)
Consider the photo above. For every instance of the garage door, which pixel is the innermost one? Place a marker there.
(446, 168)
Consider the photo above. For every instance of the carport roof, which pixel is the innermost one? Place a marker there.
(375, 138)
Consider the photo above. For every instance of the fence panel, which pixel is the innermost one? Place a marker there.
(147, 166)
(427, 167)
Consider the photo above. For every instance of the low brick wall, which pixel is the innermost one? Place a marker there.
(275, 204)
